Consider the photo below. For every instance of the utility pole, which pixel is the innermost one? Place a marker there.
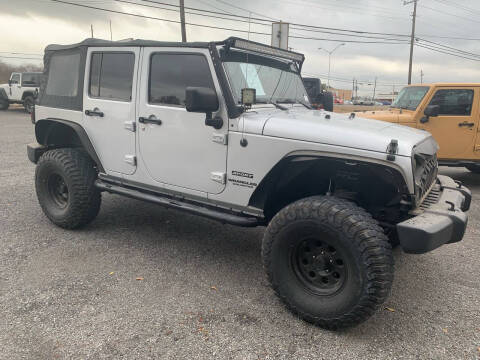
(182, 21)
(91, 29)
(353, 88)
(412, 39)
(374, 89)
(421, 76)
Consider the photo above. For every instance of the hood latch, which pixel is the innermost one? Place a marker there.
(392, 149)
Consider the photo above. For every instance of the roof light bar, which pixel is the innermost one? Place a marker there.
(268, 50)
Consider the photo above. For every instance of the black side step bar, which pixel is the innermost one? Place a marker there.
(224, 217)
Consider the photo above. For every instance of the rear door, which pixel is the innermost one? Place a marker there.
(177, 148)
(455, 128)
(109, 105)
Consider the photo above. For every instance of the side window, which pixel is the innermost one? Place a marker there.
(111, 76)
(63, 74)
(15, 79)
(171, 74)
(454, 101)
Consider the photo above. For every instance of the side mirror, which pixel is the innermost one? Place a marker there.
(432, 110)
(203, 100)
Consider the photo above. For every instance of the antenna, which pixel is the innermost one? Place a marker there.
(111, 34)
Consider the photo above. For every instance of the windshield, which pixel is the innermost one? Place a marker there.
(274, 81)
(410, 97)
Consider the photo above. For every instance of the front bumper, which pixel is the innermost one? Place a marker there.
(441, 219)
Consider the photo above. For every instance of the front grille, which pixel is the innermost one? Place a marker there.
(426, 171)
(432, 198)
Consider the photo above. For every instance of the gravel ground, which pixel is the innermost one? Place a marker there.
(202, 292)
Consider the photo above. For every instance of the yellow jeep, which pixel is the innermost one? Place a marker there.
(450, 112)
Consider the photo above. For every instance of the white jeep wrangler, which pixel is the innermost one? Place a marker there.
(224, 130)
(21, 89)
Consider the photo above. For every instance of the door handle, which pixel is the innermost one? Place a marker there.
(94, 112)
(150, 120)
(466, 124)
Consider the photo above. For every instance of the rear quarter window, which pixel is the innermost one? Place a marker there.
(63, 75)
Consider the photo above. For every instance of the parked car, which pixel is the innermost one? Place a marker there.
(338, 101)
(21, 89)
(363, 101)
(450, 111)
(183, 126)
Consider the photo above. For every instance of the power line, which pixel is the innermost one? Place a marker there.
(386, 41)
(156, 18)
(446, 52)
(449, 14)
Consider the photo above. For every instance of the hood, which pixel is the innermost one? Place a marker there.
(384, 115)
(333, 129)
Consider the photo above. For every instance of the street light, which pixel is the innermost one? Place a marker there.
(329, 59)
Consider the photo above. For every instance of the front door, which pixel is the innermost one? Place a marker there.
(176, 146)
(456, 126)
(109, 106)
(15, 87)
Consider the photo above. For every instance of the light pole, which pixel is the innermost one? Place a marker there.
(329, 60)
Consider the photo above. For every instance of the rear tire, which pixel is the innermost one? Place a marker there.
(64, 181)
(475, 168)
(28, 104)
(328, 261)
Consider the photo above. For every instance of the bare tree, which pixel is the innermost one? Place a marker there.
(7, 69)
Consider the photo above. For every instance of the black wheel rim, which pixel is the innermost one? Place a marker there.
(319, 265)
(58, 190)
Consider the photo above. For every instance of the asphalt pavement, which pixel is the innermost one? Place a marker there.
(144, 282)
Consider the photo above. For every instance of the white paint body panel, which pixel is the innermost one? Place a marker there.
(180, 153)
(111, 139)
(339, 129)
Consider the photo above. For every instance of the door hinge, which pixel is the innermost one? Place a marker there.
(131, 126)
(131, 159)
(218, 176)
(220, 138)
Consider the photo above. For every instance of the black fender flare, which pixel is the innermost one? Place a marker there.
(28, 93)
(294, 164)
(44, 128)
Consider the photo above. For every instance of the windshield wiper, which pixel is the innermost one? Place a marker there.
(274, 103)
(277, 105)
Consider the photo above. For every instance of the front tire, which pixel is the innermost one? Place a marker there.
(475, 168)
(4, 104)
(328, 261)
(28, 104)
(64, 182)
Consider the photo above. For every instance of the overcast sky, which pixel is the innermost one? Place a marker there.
(27, 26)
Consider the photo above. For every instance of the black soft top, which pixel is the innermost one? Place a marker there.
(92, 42)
